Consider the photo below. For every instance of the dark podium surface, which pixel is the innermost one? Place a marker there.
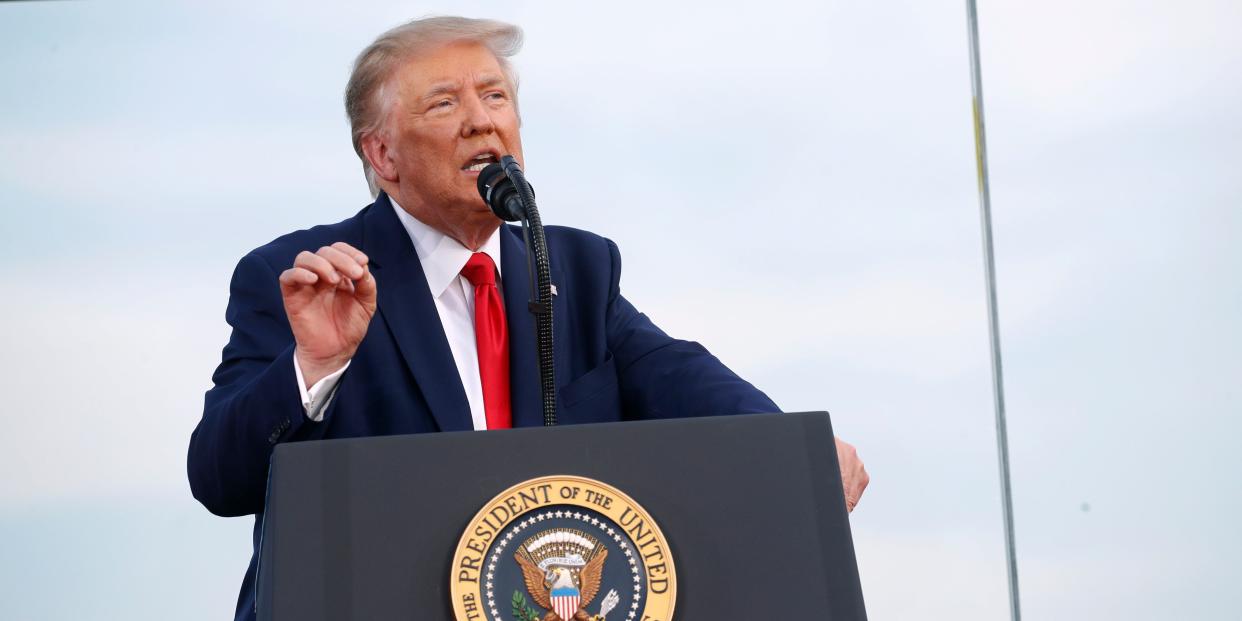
(751, 507)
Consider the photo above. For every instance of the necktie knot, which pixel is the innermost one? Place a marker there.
(480, 270)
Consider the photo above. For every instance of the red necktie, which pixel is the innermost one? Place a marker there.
(491, 333)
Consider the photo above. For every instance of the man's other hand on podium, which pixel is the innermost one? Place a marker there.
(854, 477)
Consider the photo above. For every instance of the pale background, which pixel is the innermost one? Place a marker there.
(805, 205)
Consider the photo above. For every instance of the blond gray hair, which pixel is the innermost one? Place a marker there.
(367, 93)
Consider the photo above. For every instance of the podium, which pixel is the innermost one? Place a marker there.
(750, 511)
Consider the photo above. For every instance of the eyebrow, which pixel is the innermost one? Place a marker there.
(448, 88)
(491, 80)
(442, 88)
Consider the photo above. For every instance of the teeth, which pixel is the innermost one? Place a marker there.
(477, 167)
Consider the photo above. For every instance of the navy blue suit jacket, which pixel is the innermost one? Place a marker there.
(612, 363)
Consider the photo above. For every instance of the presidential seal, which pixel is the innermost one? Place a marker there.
(562, 548)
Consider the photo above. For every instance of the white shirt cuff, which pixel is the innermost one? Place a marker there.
(315, 399)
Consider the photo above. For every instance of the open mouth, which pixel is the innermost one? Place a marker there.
(480, 161)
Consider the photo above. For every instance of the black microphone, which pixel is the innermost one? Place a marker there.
(498, 192)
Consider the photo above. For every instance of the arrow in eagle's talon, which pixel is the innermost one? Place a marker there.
(610, 602)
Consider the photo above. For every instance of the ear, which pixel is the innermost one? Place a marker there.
(379, 155)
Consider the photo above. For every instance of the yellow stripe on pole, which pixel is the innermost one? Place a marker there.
(974, 112)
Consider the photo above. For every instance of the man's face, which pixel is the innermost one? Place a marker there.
(453, 111)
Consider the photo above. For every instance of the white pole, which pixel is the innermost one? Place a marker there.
(989, 267)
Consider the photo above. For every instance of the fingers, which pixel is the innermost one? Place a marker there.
(364, 288)
(297, 276)
(858, 483)
(343, 260)
(317, 265)
(357, 255)
(854, 477)
(363, 285)
(330, 264)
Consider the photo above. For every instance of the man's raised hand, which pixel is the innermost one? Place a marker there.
(329, 297)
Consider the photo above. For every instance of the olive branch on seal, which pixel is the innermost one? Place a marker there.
(521, 611)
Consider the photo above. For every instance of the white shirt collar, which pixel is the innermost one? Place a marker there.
(442, 256)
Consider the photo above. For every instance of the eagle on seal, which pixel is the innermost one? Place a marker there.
(562, 584)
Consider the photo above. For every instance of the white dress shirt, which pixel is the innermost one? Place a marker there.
(442, 258)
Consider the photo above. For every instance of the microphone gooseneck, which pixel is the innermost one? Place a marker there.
(504, 188)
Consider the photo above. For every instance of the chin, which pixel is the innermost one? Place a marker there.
(485, 217)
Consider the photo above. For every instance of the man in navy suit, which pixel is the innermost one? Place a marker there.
(410, 316)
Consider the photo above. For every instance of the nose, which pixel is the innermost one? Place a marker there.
(478, 119)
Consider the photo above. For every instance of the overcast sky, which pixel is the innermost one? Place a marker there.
(803, 203)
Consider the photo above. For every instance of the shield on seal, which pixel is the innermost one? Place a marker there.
(565, 602)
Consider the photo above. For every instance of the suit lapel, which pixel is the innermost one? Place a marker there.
(407, 308)
(524, 387)
(523, 357)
